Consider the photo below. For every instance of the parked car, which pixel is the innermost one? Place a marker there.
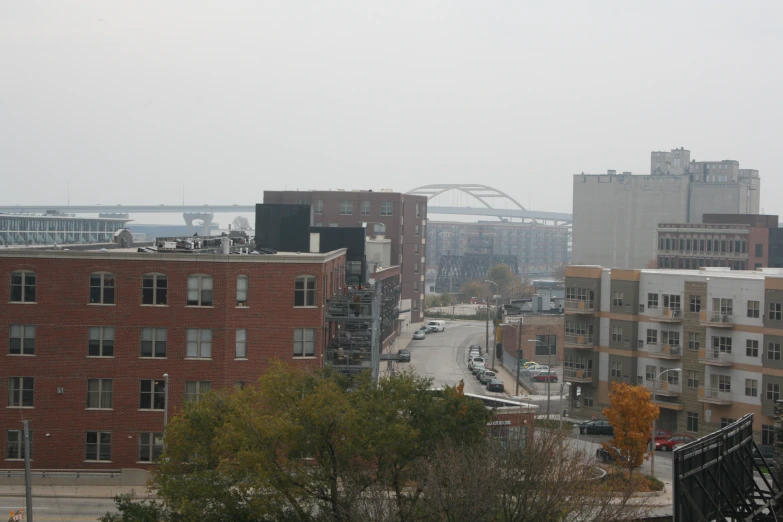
(423, 330)
(431, 329)
(766, 451)
(418, 335)
(486, 376)
(474, 347)
(474, 360)
(440, 326)
(474, 351)
(609, 456)
(495, 385)
(545, 376)
(477, 366)
(534, 370)
(671, 442)
(660, 435)
(404, 356)
(596, 427)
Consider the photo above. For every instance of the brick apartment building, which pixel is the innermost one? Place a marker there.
(405, 219)
(738, 241)
(716, 332)
(91, 335)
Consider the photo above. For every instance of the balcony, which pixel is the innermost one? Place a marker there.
(580, 342)
(715, 357)
(716, 319)
(663, 351)
(574, 375)
(714, 396)
(577, 306)
(663, 388)
(664, 315)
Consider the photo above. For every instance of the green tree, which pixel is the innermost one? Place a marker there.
(132, 511)
(447, 299)
(631, 413)
(433, 300)
(474, 289)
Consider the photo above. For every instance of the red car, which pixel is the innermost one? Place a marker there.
(660, 435)
(668, 444)
(545, 376)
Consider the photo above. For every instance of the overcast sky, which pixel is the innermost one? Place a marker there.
(129, 101)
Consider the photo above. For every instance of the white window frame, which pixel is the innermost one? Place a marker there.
(617, 298)
(154, 336)
(752, 386)
(346, 207)
(387, 209)
(157, 389)
(754, 309)
(366, 208)
(240, 347)
(104, 335)
(197, 389)
(24, 333)
(318, 207)
(24, 286)
(150, 443)
(242, 281)
(203, 286)
(18, 444)
(308, 294)
(104, 398)
(199, 343)
(156, 279)
(102, 287)
(303, 343)
(17, 388)
(99, 445)
(773, 391)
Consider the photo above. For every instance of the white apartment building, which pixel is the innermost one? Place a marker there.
(722, 329)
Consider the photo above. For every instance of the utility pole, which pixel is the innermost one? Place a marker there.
(28, 487)
(519, 352)
(487, 323)
(165, 403)
(496, 305)
(652, 439)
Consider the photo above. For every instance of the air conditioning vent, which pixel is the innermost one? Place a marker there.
(640, 343)
(641, 308)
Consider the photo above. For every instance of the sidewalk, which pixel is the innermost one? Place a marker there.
(77, 491)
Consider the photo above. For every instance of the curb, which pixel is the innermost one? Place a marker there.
(21, 495)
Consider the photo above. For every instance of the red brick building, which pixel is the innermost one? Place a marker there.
(403, 215)
(91, 335)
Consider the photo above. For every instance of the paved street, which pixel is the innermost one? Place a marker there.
(60, 509)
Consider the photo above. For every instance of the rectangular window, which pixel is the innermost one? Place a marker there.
(415, 286)
(693, 421)
(722, 305)
(22, 340)
(693, 379)
(386, 208)
(670, 338)
(199, 290)
(98, 445)
(695, 304)
(346, 207)
(154, 289)
(751, 387)
(418, 210)
(701, 245)
(775, 312)
(652, 300)
(242, 290)
(652, 336)
(617, 334)
(150, 446)
(773, 392)
(724, 383)
(709, 245)
(101, 288)
(304, 342)
(753, 309)
(20, 392)
(759, 250)
(318, 206)
(153, 395)
(693, 341)
(617, 299)
(153, 342)
(416, 230)
(101, 341)
(547, 344)
(366, 208)
(415, 268)
(199, 343)
(773, 351)
(100, 393)
(416, 248)
(304, 291)
(649, 373)
(22, 287)
(752, 348)
(767, 434)
(241, 344)
(14, 444)
(617, 369)
(195, 389)
(721, 344)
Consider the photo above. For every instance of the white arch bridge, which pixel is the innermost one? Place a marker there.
(488, 198)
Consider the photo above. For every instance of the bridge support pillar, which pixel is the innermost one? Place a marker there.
(206, 219)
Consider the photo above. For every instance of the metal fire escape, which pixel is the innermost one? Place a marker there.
(354, 324)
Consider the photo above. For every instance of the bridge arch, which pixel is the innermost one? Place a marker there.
(481, 193)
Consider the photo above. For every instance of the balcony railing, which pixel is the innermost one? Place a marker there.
(575, 375)
(714, 396)
(665, 314)
(579, 341)
(663, 350)
(663, 387)
(715, 357)
(578, 306)
(716, 319)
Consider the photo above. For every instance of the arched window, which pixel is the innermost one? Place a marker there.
(101, 288)
(154, 289)
(22, 286)
(304, 291)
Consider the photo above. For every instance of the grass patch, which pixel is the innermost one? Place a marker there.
(618, 480)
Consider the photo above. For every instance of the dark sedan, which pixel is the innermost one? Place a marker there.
(609, 456)
(495, 385)
(404, 356)
(596, 427)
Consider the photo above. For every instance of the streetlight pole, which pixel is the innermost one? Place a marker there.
(562, 387)
(652, 439)
(495, 333)
(549, 364)
(165, 402)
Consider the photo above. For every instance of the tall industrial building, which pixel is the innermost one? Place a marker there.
(616, 216)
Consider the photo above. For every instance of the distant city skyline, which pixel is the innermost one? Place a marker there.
(129, 102)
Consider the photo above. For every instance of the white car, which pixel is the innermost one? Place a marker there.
(535, 369)
(439, 326)
(418, 335)
(475, 360)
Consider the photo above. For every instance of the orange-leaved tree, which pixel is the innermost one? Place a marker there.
(631, 413)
